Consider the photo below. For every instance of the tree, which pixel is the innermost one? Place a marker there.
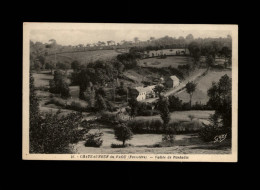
(209, 60)
(158, 89)
(175, 103)
(59, 85)
(220, 99)
(226, 52)
(75, 65)
(100, 103)
(53, 134)
(190, 88)
(195, 52)
(37, 66)
(189, 37)
(162, 106)
(133, 103)
(34, 103)
(123, 133)
(63, 66)
(50, 65)
(136, 39)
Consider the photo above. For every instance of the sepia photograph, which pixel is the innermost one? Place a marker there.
(130, 92)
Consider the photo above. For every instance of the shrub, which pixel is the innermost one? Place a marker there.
(113, 145)
(77, 106)
(94, 139)
(209, 132)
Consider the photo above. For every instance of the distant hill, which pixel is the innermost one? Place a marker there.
(83, 57)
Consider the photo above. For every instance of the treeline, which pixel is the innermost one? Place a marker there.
(175, 104)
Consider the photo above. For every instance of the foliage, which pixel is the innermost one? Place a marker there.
(54, 134)
(123, 133)
(175, 104)
(190, 88)
(158, 89)
(75, 65)
(220, 99)
(59, 85)
(155, 126)
(209, 132)
(163, 105)
(100, 104)
(94, 139)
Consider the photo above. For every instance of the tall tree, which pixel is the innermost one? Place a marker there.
(163, 107)
(190, 88)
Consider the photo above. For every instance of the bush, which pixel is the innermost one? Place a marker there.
(94, 139)
(209, 132)
(119, 145)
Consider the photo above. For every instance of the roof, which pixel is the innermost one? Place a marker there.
(173, 78)
(145, 89)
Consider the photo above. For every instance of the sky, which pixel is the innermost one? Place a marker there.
(83, 36)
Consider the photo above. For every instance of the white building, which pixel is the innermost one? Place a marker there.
(172, 82)
(145, 92)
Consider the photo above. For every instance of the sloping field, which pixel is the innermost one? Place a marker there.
(84, 57)
(204, 83)
(173, 61)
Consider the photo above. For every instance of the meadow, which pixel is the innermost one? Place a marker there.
(84, 57)
(203, 84)
(173, 61)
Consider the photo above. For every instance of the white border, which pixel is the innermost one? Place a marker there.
(27, 27)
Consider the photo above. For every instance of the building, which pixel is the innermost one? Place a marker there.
(167, 52)
(172, 82)
(143, 93)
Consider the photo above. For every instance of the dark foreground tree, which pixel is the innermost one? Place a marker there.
(123, 133)
(53, 134)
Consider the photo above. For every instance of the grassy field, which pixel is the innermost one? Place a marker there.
(84, 57)
(42, 78)
(173, 61)
(181, 115)
(204, 83)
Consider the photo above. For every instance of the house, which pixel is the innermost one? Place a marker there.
(172, 82)
(142, 93)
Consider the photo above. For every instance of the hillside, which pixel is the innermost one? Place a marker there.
(83, 57)
(203, 84)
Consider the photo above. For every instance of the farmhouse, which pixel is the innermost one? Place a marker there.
(172, 82)
(143, 93)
